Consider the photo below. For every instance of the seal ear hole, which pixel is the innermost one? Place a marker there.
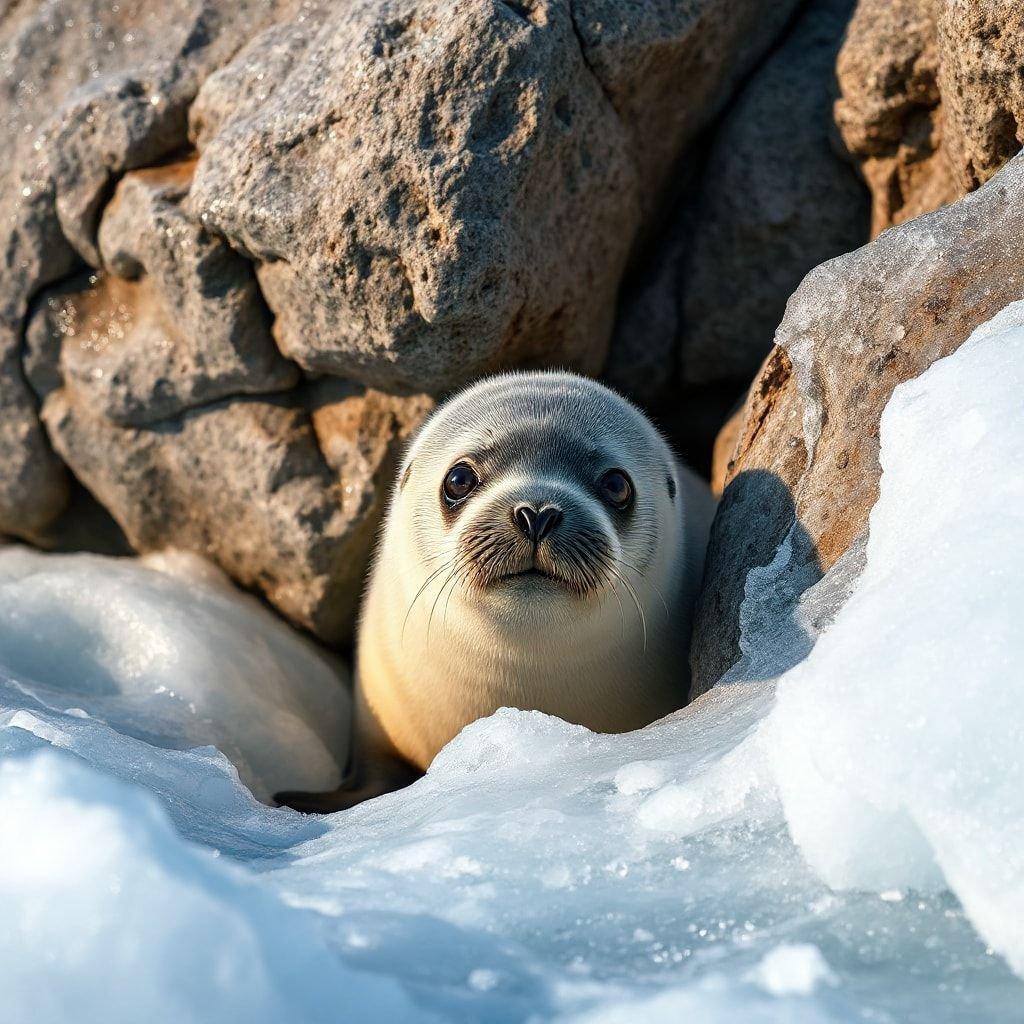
(405, 477)
(671, 487)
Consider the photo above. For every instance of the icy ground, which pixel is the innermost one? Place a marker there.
(844, 844)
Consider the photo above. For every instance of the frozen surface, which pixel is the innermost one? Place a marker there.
(168, 651)
(844, 844)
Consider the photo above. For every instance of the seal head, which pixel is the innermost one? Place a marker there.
(542, 551)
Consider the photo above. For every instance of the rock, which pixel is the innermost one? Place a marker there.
(176, 320)
(110, 88)
(435, 191)
(982, 47)
(805, 468)
(773, 201)
(931, 99)
(244, 483)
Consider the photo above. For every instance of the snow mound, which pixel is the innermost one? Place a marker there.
(898, 744)
(109, 915)
(171, 653)
(842, 844)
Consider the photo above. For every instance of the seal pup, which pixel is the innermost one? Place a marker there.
(542, 550)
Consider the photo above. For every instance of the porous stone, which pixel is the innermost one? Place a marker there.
(932, 102)
(174, 321)
(805, 469)
(244, 483)
(433, 191)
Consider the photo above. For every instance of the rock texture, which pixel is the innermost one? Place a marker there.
(87, 93)
(774, 200)
(432, 191)
(805, 467)
(245, 483)
(175, 320)
(932, 99)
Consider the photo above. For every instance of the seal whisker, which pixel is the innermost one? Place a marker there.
(426, 583)
(647, 582)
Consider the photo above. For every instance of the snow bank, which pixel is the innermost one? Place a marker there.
(110, 916)
(176, 657)
(840, 846)
(898, 744)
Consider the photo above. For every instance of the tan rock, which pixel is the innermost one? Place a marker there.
(244, 483)
(931, 99)
(175, 321)
(805, 468)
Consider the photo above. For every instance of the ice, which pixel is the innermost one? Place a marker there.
(110, 916)
(899, 743)
(840, 844)
(168, 651)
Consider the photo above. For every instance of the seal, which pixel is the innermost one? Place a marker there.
(542, 550)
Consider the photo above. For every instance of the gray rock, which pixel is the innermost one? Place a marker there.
(176, 320)
(88, 91)
(804, 472)
(774, 200)
(433, 191)
(244, 483)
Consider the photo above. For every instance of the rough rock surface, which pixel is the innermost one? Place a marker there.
(86, 94)
(245, 483)
(932, 100)
(805, 467)
(773, 201)
(433, 191)
(174, 322)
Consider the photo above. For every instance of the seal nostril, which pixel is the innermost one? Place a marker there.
(547, 519)
(525, 518)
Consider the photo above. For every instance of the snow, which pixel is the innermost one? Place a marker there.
(168, 651)
(843, 843)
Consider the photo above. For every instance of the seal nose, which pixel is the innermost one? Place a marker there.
(535, 524)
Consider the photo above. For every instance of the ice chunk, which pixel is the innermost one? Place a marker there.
(792, 969)
(177, 657)
(110, 916)
(898, 744)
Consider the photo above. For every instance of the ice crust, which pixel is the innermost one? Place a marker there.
(843, 843)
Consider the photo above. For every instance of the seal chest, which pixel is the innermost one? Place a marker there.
(542, 551)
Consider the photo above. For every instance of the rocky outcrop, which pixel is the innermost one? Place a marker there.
(432, 191)
(226, 223)
(932, 101)
(804, 472)
(87, 94)
(774, 200)
(174, 321)
(246, 483)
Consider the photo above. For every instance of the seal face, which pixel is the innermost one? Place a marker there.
(542, 551)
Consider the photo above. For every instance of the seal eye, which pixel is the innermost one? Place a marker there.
(460, 482)
(616, 488)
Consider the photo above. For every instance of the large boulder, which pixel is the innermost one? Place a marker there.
(287, 502)
(932, 101)
(432, 191)
(804, 473)
(774, 199)
(88, 92)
